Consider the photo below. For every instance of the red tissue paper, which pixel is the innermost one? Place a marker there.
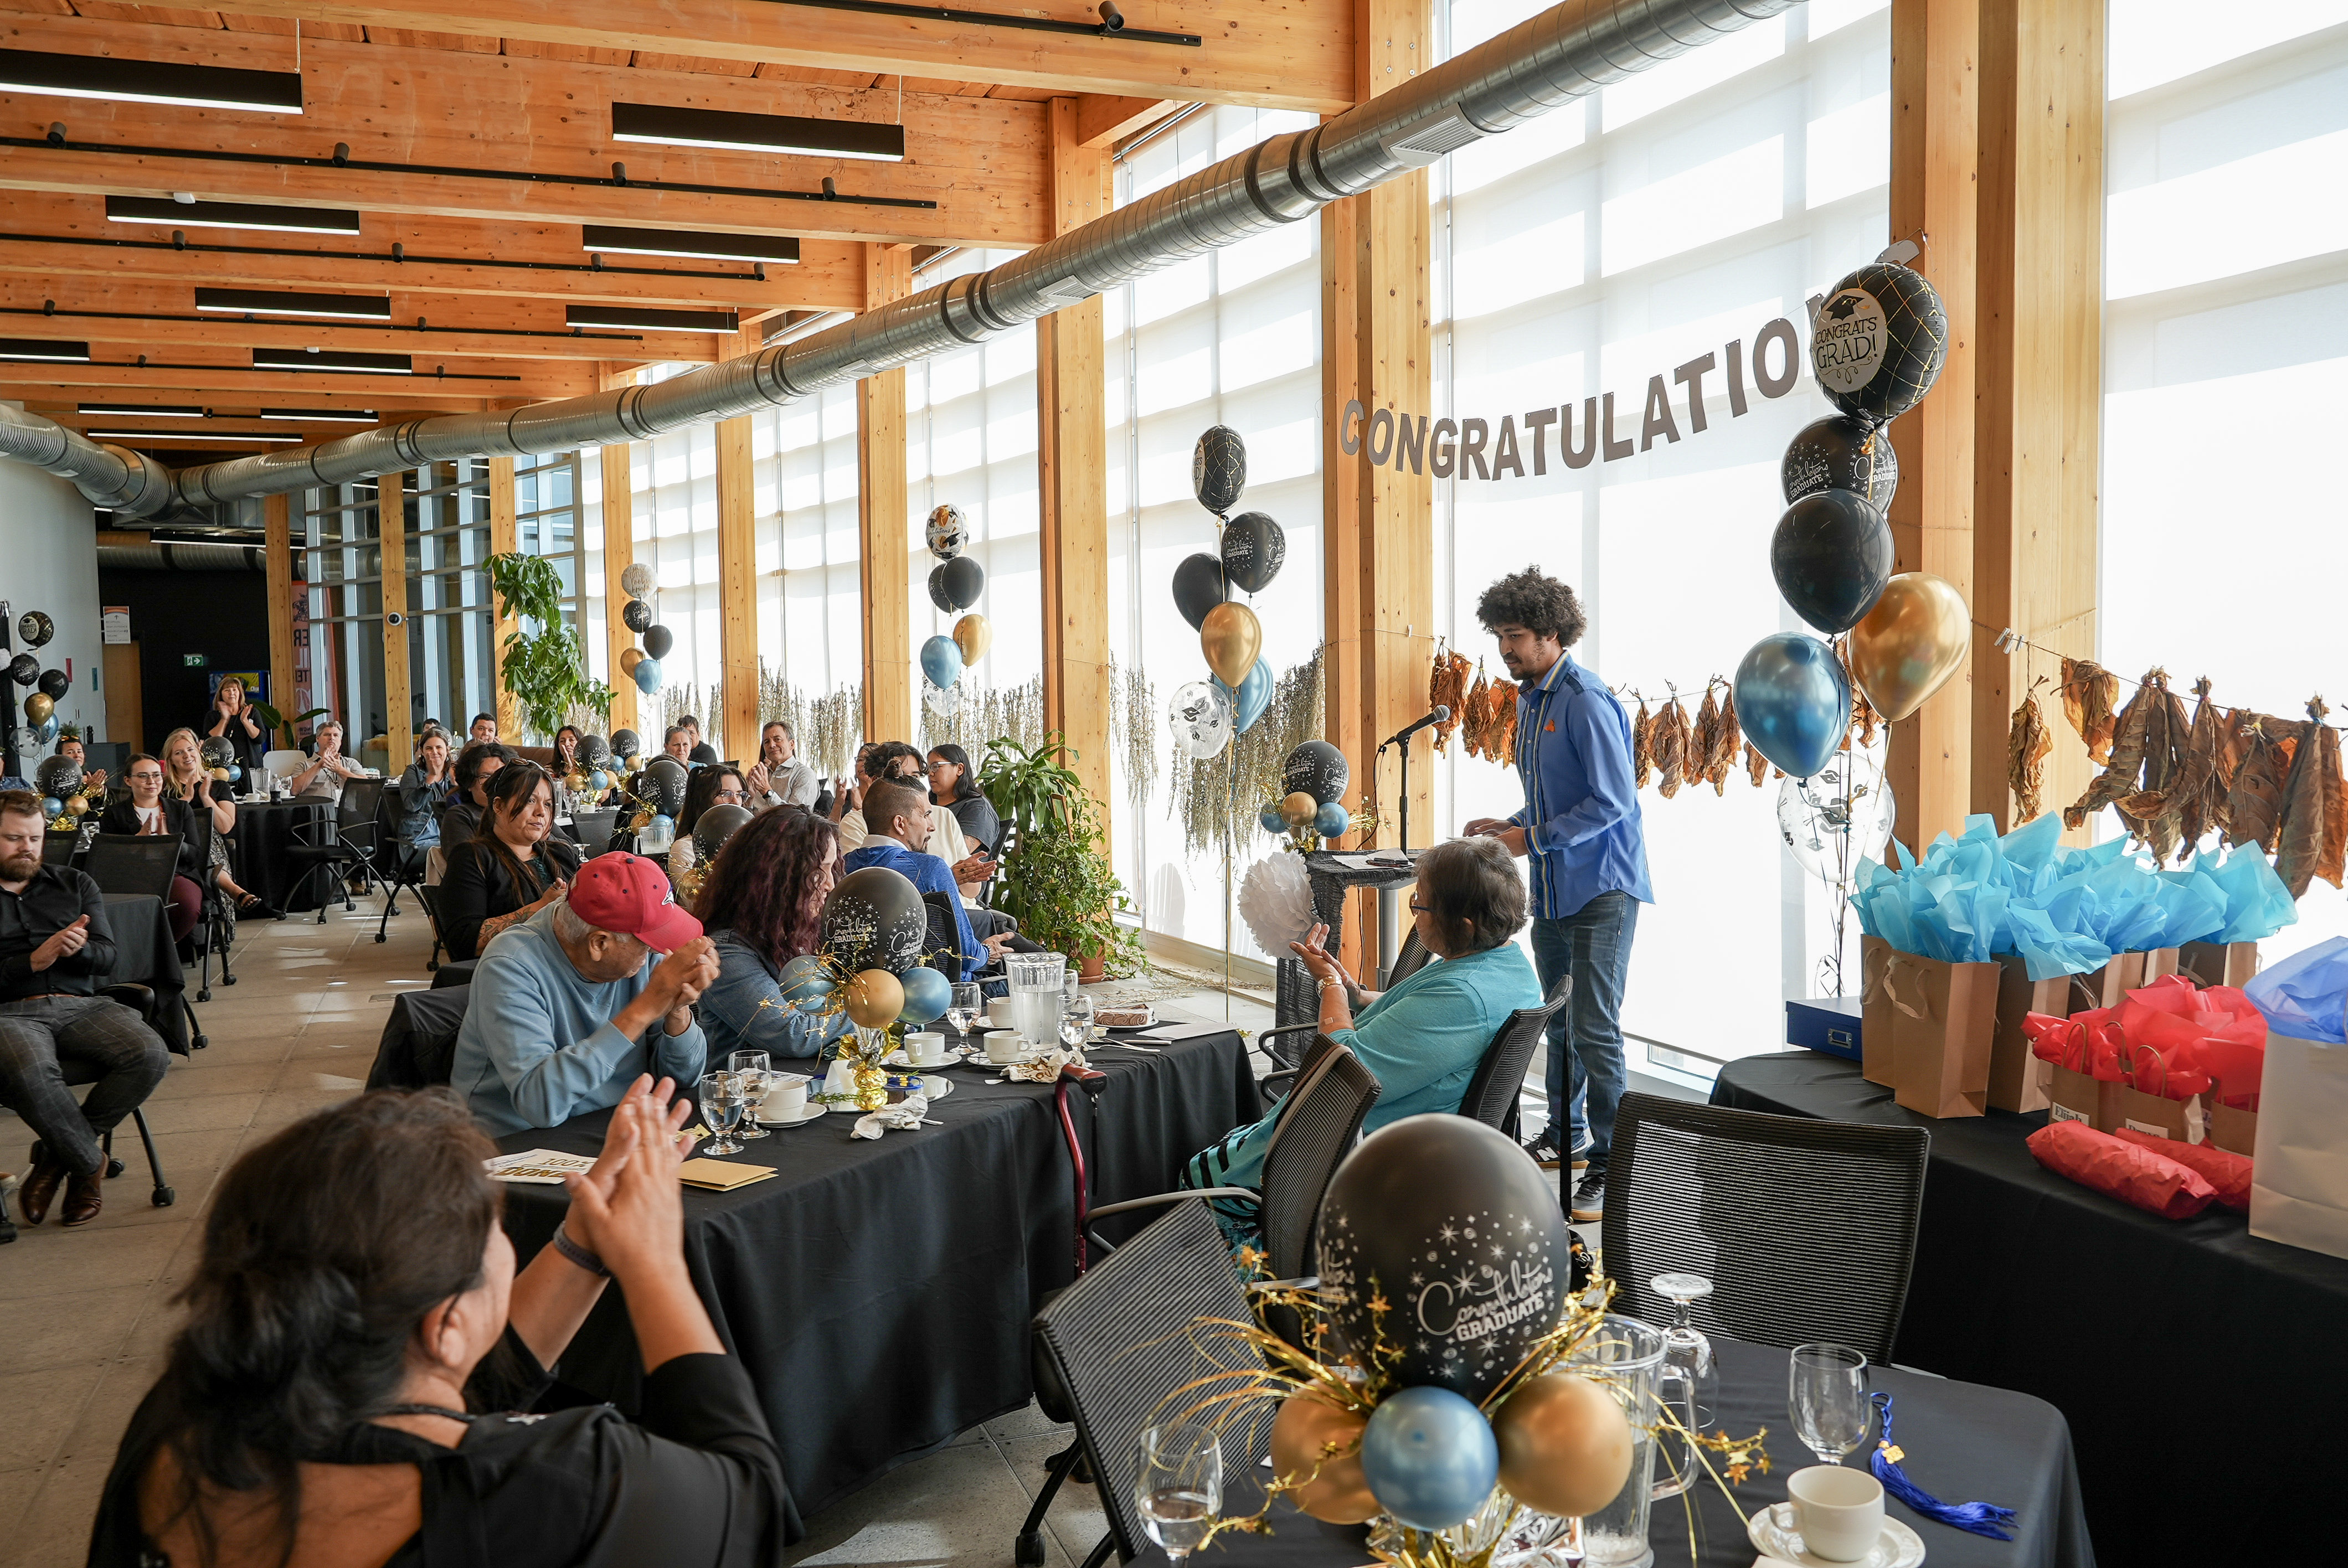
(2152, 1181)
(2227, 1172)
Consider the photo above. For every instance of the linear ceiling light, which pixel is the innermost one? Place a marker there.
(618, 241)
(646, 319)
(229, 215)
(332, 359)
(35, 348)
(149, 82)
(324, 416)
(672, 127)
(241, 437)
(271, 303)
(138, 411)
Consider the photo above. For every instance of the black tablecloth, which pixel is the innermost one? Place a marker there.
(258, 858)
(145, 955)
(1963, 1443)
(2191, 1358)
(879, 1292)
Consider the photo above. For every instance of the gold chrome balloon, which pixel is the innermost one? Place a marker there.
(38, 707)
(1303, 1436)
(1918, 634)
(629, 659)
(973, 634)
(1231, 638)
(76, 805)
(1299, 809)
(1565, 1445)
(874, 997)
(220, 775)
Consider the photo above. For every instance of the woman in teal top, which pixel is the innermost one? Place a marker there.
(1423, 1039)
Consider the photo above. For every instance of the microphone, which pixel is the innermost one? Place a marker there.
(1441, 714)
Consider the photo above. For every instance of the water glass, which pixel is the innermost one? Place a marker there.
(1689, 1363)
(1179, 1486)
(969, 1004)
(753, 1068)
(1076, 1022)
(723, 1100)
(1827, 1398)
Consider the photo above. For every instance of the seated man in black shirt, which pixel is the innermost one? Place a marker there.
(55, 950)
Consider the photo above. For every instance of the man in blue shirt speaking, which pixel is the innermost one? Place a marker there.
(1581, 826)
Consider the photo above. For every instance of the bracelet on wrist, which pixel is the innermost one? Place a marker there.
(573, 1252)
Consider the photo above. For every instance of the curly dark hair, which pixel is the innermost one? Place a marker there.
(765, 884)
(1538, 602)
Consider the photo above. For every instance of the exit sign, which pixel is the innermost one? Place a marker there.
(193, 661)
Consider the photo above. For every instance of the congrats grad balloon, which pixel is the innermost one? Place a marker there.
(1880, 342)
(1219, 468)
(1839, 453)
(1317, 768)
(1254, 548)
(875, 920)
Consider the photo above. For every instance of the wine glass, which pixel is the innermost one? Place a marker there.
(1180, 1487)
(723, 1098)
(963, 1010)
(1076, 1022)
(1689, 1363)
(753, 1068)
(1827, 1398)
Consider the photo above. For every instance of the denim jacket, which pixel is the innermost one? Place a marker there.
(733, 1018)
(418, 827)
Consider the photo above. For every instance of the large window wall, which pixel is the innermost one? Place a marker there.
(675, 516)
(452, 627)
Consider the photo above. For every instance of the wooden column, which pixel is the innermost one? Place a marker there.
(619, 554)
(2040, 371)
(391, 536)
(885, 559)
(1935, 111)
(505, 537)
(277, 514)
(736, 700)
(1072, 465)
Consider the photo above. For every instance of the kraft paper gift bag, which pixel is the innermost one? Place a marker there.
(2230, 1127)
(2298, 1173)
(1944, 1017)
(2106, 986)
(2074, 1096)
(2160, 961)
(2017, 1079)
(1875, 1010)
(2218, 963)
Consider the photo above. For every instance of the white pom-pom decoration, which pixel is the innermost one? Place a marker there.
(1276, 902)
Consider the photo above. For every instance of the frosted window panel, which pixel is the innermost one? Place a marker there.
(1518, 264)
(1661, 85)
(1633, 356)
(1176, 288)
(1824, 17)
(1848, 151)
(2149, 41)
(2260, 212)
(1253, 260)
(1474, 21)
(1723, 196)
(1495, 157)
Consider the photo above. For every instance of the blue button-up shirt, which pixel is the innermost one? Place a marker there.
(930, 875)
(1581, 811)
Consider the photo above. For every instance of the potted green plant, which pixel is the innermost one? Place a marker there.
(545, 668)
(1057, 881)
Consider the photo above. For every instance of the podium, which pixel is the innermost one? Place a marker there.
(1297, 999)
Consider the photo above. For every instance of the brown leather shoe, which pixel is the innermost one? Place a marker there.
(40, 1188)
(84, 1196)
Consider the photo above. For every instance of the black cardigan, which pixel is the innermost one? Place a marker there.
(477, 887)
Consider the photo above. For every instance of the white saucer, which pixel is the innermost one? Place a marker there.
(1773, 1533)
(812, 1113)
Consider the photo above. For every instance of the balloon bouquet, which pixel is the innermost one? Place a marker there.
(1310, 808)
(51, 685)
(955, 584)
(870, 965)
(1206, 714)
(642, 665)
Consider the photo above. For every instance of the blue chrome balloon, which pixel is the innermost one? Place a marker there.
(599, 781)
(1253, 696)
(235, 774)
(804, 979)
(1793, 701)
(52, 806)
(927, 992)
(941, 659)
(1429, 1457)
(1333, 820)
(1272, 819)
(648, 676)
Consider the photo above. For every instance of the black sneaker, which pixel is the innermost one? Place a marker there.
(1544, 1152)
(1589, 1197)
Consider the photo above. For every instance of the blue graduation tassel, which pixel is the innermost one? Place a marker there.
(1980, 1518)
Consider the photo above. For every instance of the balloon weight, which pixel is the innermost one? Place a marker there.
(1793, 701)
(1839, 453)
(873, 997)
(1201, 717)
(1317, 768)
(1311, 1437)
(625, 744)
(648, 674)
(56, 683)
(1272, 817)
(940, 662)
(1233, 639)
(629, 659)
(805, 980)
(25, 669)
(637, 615)
(973, 634)
(636, 580)
(658, 640)
(1299, 809)
(948, 533)
(1836, 817)
(1831, 556)
(1253, 696)
(38, 706)
(1429, 1457)
(927, 994)
(1219, 468)
(1333, 821)
(875, 920)
(1253, 549)
(1881, 341)
(1198, 588)
(963, 579)
(1918, 635)
(715, 827)
(35, 629)
(1565, 1445)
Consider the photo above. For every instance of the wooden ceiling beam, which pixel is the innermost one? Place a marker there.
(519, 381)
(1103, 121)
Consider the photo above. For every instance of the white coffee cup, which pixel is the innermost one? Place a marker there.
(998, 1012)
(1004, 1046)
(926, 1048)
(786, 1099)
(1839, 1511)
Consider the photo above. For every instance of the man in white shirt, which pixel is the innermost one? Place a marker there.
(779, 777)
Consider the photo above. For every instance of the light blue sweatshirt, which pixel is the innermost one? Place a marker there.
(538, 1047)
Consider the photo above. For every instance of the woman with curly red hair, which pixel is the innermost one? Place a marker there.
(762, 905)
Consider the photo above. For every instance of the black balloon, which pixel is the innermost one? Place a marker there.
(1880, 340)
(658, 639)
(625, 744)
(637, 615)
(1253, 549)
(594, 751)
(663, 782)
(715, 826)
(1831, 556)
(58, 777)
(1219, 468)
(216, 751)
(875, 920)
(938, 594)
(34, 628)
(54, 684)
(1198, 588)
(956, 584)
(1458, 1232)
(1839, 453)
(25, 669)
(1317, 768)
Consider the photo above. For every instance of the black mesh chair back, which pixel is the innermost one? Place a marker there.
(58, 847)
(419, 1048)
(1318, 1126)
(1806, 1228)
(593, 830)
(1410, 960)
(358, 816)
(136, 864)
(1497, 1089)
(1115, 1342)
(941, 943)
(430, 897)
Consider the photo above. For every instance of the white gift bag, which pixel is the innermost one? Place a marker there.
(2298, 1182)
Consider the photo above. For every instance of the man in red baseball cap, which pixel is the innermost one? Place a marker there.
(571, 1005)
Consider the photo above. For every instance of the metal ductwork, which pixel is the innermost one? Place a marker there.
(1562, 55)
(181, 555)
(131, 482)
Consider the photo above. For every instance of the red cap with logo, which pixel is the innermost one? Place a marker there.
(630, 895)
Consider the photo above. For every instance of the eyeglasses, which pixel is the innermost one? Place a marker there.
(1419, 908)
(725, 796)
(940, 763)
(147, 778)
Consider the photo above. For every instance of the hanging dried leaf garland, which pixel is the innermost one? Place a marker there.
(1446, 687)
(2118, 778)
(1703, 739)
(2026, 745)
(1732, 741)
(2254, 805)
(1863, 716)
(1755, 764)
(2089, 692)
(1669, 739)
(1133, 731)
(1642, 757)
(1471, 725)
(1500, 722)
(2301, 851)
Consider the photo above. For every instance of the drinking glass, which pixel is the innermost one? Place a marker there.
(968, 1005)
(1038, 991)
(1076, 1022)
(1827, 1398)
(1688, 1361)
(723, 1098)
(751, 1067)
(1179, 1486)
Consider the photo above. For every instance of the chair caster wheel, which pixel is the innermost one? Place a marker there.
(430, 964)
(228, 979)
(113, 1166)
(166, 1197)
(205, 995)
(202, 1042)
(380, 936)
(1029, 1552)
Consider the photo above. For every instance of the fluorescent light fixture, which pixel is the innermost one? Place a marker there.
(651, 320)
(238, 437)
(669, 126)
(618, 241)
(171, 214)
(272, 303)
(50, 352)
(138, 411)
(324, 416)
(149, 82)
(332, 359)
